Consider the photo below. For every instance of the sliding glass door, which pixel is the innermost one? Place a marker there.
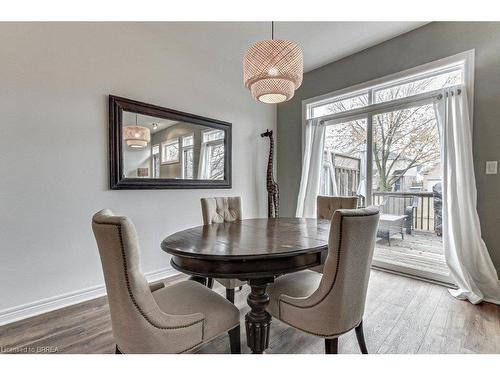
(406, 186)
(392, 159)
(382, 144)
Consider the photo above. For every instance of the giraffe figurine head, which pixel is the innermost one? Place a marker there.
(268, 133)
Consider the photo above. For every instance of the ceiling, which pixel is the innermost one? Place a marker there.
(321, 42)
(129, 118)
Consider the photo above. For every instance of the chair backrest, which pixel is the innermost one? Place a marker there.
(338, 303)
(326, 205)
(221, 209)
(139, 325)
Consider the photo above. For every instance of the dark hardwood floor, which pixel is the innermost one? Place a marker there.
(402, 315)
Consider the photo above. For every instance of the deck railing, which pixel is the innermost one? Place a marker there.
(395, 202)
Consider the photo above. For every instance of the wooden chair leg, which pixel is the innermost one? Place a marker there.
(361, 338)
(230, 295)
(234, 340)
(117, 351)
(332, 346)
(210, 283)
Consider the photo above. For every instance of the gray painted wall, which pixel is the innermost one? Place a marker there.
(428, 43)
(54, 82)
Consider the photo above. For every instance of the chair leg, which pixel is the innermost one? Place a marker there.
(230, 295)
(361, 338)
(117, 351)
(234, 340)
(210, 283)
(332, 346)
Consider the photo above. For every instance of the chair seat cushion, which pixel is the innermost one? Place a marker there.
(231, 283)
(298, 285)
(187, 297)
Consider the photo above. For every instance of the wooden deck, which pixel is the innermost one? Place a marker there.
(422, 251)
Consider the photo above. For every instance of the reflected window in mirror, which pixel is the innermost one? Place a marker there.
(187, 156)
(212, 155)
(170, 151)
(155, 161)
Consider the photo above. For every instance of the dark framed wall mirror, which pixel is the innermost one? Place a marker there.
(152, 147)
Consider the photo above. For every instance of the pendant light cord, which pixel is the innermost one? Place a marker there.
(272, 30)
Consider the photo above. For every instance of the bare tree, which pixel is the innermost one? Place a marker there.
(217, 162)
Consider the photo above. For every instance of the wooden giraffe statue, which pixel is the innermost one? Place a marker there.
(273, 191)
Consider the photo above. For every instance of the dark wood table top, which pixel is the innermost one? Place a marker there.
(255, 250)
(250, 239)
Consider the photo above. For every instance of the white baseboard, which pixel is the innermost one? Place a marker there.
(27, 310)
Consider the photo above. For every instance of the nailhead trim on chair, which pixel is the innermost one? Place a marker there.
(134, 302)
(331, 287)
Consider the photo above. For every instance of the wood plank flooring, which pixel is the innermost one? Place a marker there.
(402, 315)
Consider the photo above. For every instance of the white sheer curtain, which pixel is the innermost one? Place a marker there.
(465, 251)
(204, 164)
(311, 169)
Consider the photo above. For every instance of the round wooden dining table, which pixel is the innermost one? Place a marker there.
(254, 250)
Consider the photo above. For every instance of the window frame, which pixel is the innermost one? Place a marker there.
(423, 71)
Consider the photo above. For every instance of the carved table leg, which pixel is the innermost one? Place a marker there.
(258, 320)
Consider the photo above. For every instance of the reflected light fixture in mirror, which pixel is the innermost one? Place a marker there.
(273, 69)
(136, 136)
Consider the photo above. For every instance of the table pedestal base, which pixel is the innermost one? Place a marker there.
(258, 320)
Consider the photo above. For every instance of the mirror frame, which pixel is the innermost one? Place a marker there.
(116, 107)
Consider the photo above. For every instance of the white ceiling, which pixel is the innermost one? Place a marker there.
(321, 42)
(129, 118)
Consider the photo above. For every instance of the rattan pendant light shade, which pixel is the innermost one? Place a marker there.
(272, 70)
(136, 136)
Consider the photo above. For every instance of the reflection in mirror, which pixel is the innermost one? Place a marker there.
(154, 147)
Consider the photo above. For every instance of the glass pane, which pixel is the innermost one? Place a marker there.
(407, 187)
(419, 86)
(405, 143)
(187, 141)
(156, 165)
(217, 162)
(170, 151)
(340, 106)
(188, 163)
(156, 149)
(344, 163)
(213, 135)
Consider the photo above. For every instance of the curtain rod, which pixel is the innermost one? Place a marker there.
(385, 106)
(447, 93)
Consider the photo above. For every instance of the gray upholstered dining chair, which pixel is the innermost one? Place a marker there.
(223, 210)
(156, 318)
(330, 304)
(326, 206)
